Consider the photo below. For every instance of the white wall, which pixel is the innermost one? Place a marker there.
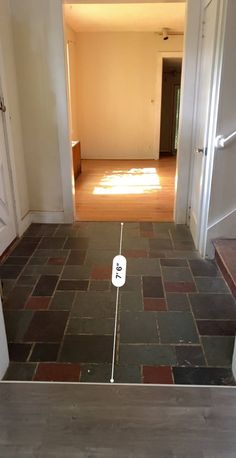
(4, 357)
(39, 57)
(223, 190)
(13, 114)
(71, 41)
(117, 82)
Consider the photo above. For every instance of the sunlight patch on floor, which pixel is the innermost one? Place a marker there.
(133, 181)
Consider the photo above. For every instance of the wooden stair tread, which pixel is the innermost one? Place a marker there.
(226, 259)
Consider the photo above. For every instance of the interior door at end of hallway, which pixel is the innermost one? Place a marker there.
(7, 217)
(203, 101)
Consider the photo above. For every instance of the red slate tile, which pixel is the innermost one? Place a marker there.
(153, 304)
(101, 273)
(181, 287)
(38, 303)
(56, 261)
(135, 253)
(57, 372)
(157, 374)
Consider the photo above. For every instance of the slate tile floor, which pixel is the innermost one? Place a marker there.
(177, 317)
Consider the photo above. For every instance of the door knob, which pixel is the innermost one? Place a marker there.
(2, 105)
(199, 150)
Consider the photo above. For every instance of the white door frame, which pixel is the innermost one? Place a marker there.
(157, 131)
(186, 127)
(212, 123)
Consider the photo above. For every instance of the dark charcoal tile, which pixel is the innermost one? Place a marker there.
(42, 270)
(218, 350)
(73, 285)
(216, 328)
(190, 355)
(135, 243)
(76, 258)
(152, 287)
(51, 253)
(213, 306)
(20, 371)
(10, 271)
(25, 247)
(174, 262)
(177, 327)
(183, 245)
(62, 300)
(104, 243)
(177, 274)
(77, 243)
(104, 256)
(51, 243)
(160, 244)
(7, 287)
(159, 355)
(19, 352)
(203, 268)
(154, 304)
(163, 227)
(177, 302)
(181, 232)
(101, 373)
(211, 285)
(95, 326)
(94, 304)
(37, 303)
(156, 254)
(17, 323)
(146, 226)
(37, 261)
(56, 261)
(18, 298)
(132, 283)
(182, 254)
(45, 352)
(38, 229)
(135, 253)
(45, 285)
(76, 272)
(27, 280)
(155, 374)
(46, 326)
(181, 287)
(99, 285)
(87, 349)
(139, 327)
(101, 272)
(131, 301)
(57, 372)
(145, 267)
(203, 376)
(16, 261)
(66, 230)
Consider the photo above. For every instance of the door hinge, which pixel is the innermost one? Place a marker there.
(205, 151)
(189, 214)
(2, 104)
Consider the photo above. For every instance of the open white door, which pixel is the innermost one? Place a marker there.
(205, 100)
(7, 219)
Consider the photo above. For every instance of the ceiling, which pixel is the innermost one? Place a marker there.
(126, 17)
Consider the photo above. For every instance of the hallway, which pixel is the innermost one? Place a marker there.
(137, 190)
(177, 318)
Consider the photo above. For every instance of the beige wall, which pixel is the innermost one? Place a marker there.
(36, 41)
(70, 36)
(117, 93)
(13, 113)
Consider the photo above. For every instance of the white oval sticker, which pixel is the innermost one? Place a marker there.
(119, 270)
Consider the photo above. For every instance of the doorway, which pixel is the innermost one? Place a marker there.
(170, 104)
(114, 101)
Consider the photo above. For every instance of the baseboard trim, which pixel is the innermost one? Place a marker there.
(48, 217)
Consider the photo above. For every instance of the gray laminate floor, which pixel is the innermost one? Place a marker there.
(136, 421)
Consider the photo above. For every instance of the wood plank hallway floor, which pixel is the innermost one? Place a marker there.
(137, 190)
